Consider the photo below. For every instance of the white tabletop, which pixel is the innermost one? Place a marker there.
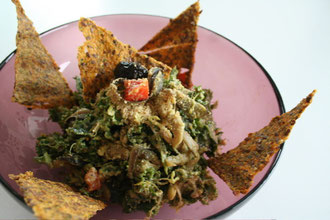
(291, 39)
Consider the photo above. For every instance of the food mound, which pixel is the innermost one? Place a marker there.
(141, 143)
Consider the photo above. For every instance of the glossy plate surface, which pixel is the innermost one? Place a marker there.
(247, 97)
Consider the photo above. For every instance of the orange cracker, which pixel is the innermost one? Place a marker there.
(175, 44)
(182, 29)
(238, 166)
(180, 56)
(101, 53)
(38, 81)
(54, 200)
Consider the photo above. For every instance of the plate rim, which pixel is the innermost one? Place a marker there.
(277, 93)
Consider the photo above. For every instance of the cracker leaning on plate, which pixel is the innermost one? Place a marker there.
(178, 39)
(54, 200)
(100, 54)
(179, 30)
(179, 55)
(238, 166)
(38, 81)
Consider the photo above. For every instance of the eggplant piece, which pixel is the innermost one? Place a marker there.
(156, 81)
(139, 156)
(79, 114)
(74, 160)
(192, 108)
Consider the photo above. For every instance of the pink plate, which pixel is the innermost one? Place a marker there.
(248, 99)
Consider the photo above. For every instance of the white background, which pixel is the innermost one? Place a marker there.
(291, 39)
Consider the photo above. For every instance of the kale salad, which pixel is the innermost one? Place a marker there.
(141, 143)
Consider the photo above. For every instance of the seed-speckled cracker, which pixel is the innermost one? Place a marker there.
(238, 166)
(38, 81)
(182, 29)
(177, 40)
(100, 54)
(54, 200)
(180, 56)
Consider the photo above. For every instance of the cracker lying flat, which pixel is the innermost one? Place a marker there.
(238, 166)
(177, 40)
(54, 200)
(100, 54)
(182, 29)
(38, 81)
(180, 56)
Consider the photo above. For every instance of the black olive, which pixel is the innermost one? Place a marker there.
(130, 70)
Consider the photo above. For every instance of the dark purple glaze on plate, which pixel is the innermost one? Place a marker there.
(247, 96)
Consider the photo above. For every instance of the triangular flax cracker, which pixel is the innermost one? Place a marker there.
(238, 166)
(182, 29)
(54, 200)
(177, 40)
(180, 56)
(101, 53)
(38, 81)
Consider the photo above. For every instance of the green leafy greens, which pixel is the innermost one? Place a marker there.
(131, 149)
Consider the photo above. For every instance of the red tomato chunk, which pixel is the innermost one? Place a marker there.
(136, 89)
(92, 179)
(182, 77)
